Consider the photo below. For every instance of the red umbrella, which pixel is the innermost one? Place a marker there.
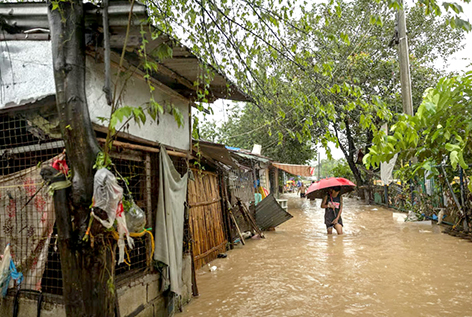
(319, 189)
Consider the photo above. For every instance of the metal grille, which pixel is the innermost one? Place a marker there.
(26, 209)
(52, 277)
(133, 171)
(181, 166)
(241, 185)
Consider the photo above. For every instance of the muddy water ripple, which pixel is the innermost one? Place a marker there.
(379, 267)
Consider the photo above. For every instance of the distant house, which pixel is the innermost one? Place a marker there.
(30, 135)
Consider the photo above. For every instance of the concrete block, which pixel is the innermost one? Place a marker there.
(151, 278)
(152, 291)
(131, 298)
(148, 311)
(160, 307)
(28, 307)
(186, 279)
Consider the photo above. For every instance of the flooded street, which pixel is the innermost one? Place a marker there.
(379, 267)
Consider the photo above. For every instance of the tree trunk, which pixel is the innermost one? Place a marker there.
(349, 153)
(87, 268)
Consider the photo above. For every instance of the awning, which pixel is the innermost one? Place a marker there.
(299, 170)
(215, 151)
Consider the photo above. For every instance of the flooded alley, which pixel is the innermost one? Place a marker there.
(381, 266)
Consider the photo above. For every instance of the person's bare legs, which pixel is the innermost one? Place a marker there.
(330, 230)
(339, 228)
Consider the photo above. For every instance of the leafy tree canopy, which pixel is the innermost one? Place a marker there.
(336, 168)
(342, 82)
(246, 127)
(439, 132)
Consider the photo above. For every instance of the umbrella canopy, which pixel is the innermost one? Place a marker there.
(319, 189)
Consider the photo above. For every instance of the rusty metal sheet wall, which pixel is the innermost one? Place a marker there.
(269, 214)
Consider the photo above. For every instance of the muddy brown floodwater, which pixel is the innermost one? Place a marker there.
(379, 267)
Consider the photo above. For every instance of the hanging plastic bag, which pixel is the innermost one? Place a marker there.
(5, 271)
(122, 232)
(135, 218)
(107, 194)
(8, 271)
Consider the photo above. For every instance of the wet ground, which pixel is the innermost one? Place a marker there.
(381, 266)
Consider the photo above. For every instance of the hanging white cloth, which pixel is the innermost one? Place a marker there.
(428, 183)
(386, 168)
(169, 232)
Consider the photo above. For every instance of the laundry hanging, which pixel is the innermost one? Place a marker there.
(169, 231)
(386, 168)
(26, 221)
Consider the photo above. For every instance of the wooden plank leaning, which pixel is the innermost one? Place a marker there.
(235, 223)
(249, 219)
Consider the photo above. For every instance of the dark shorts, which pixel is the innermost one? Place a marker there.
(329, 217)
(302, 195)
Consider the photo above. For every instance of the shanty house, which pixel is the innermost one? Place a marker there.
(31, 135)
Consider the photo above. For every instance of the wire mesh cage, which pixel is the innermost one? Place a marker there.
(132, 177)
(181, 166)
(26, 209)
(27, 219)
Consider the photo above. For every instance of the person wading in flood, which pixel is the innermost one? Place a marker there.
(302, 191)
(333, 204)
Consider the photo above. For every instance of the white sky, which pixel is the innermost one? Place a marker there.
(458, 62)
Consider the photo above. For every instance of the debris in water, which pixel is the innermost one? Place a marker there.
(247, 234)
(211, 268)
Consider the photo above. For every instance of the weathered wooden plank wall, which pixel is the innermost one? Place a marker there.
(206, 218)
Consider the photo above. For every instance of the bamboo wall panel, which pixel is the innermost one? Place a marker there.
(206, 218)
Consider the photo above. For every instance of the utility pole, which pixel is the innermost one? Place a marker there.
(404, 60)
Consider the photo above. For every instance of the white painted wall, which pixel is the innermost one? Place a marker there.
(137, 93)
(26, 73)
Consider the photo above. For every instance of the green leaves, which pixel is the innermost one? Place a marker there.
(345, 38)
(55, 5)
(376, 20)
(178, 117)
(101, 162)
(454, 6)
(163, 51)
(457, 22)
(443, 121)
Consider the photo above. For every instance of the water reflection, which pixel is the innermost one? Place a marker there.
(381, 266)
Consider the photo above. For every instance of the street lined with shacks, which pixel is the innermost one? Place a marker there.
(244, 158)
(381, 266)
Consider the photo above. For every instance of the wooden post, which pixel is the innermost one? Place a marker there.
(225, 207)
(461, 177)
(386, 195)
(148, 170)
(147, 164)
(276, 175)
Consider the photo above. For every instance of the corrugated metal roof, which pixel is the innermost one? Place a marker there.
(269, 214)
(252, 157)
(217, 152)
(179, 72)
